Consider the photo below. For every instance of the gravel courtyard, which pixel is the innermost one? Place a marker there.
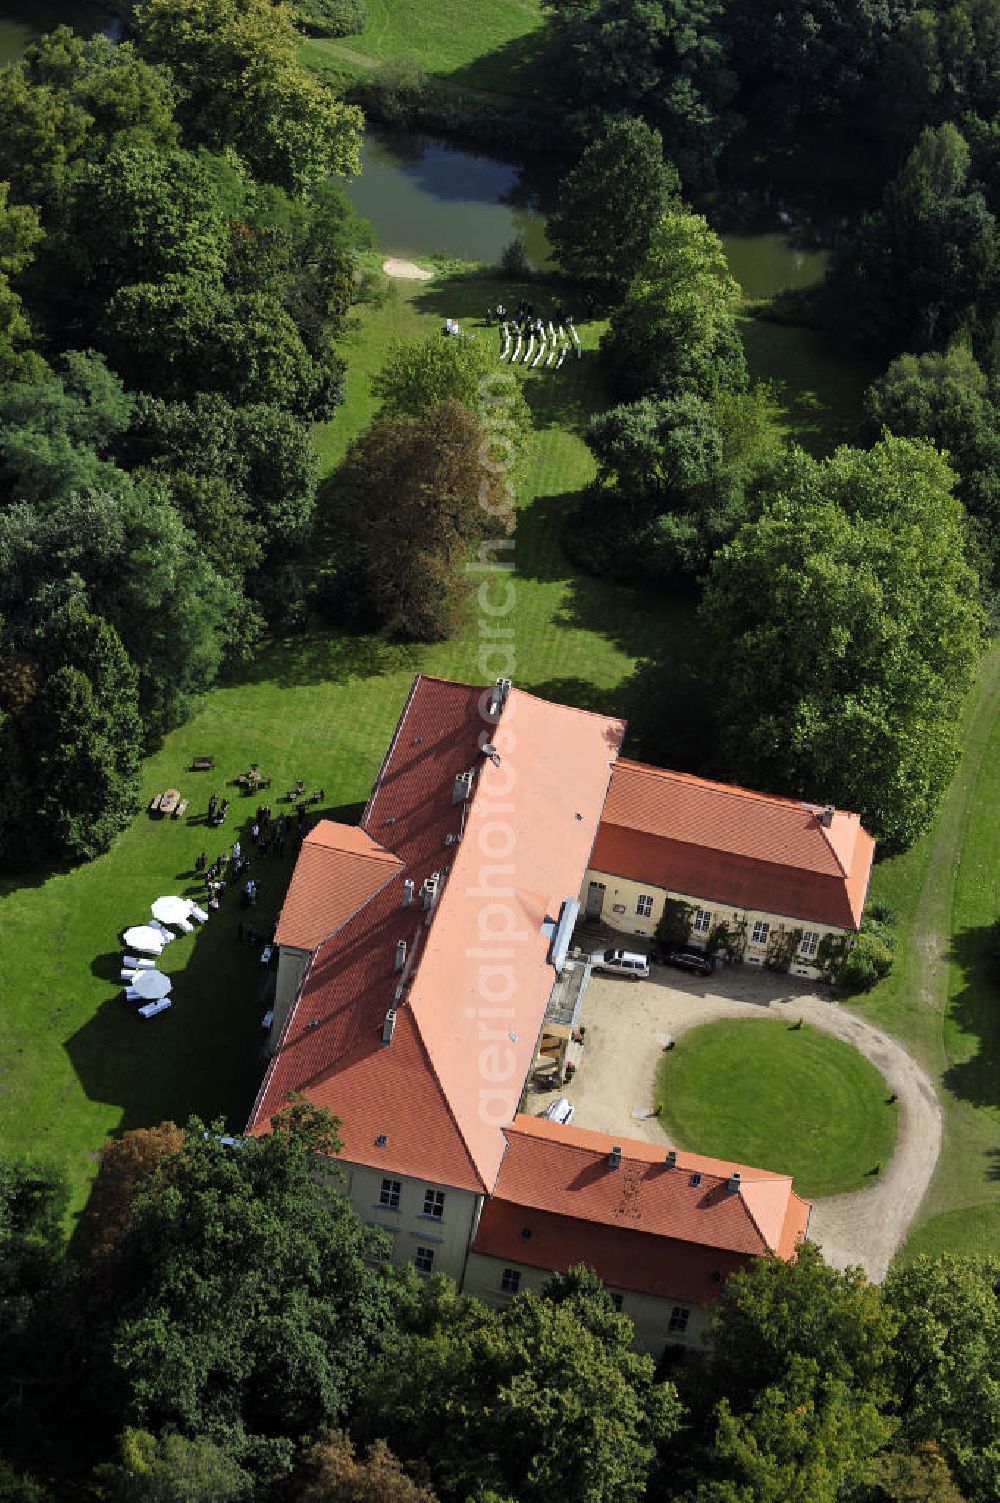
(613, 1090)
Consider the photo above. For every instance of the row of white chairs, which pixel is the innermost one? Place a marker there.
(551, 351)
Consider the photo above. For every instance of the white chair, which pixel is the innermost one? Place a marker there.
(530, 350)
(552, 353)
(152, 1008)
(541, 352)
(168, 934)
(131, 995)
(199, 914)
(185, 926)
(562, 356)
(128, 977)
(517, 350)
(267, 1019)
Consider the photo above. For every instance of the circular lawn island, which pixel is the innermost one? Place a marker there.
(780, 1097)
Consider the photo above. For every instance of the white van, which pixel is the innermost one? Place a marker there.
(560, 1111)
(622, 963)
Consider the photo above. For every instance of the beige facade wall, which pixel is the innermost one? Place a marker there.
(408, 1226)
(621, 912)
(650, 1316)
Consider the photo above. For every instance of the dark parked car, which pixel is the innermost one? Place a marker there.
(685, 959)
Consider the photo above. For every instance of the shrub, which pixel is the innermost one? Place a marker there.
(514, 261)
(869, 961)
(333, 18)
(675, 926)
(396, 90)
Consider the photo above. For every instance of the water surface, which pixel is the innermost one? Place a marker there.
(24, 20)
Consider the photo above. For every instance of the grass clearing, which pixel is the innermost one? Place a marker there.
(790, 1099)
(493, 47)
(941, 999)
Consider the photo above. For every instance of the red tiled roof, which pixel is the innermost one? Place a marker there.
(726, 844)
(642, 1226)
(621, 1258)
(473, 999)
(339, 868)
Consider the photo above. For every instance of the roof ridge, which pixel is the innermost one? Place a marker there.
(447, 1102)
(786, 800)
(576, 709)
(753, 1220)
(377, 785)
(844, 871)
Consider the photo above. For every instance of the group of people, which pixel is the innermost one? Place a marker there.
(217, 809)
(524, 318)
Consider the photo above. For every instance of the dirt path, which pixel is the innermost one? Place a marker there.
(407, 271)
(626, 1028)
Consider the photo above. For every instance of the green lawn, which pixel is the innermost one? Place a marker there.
(75, 1065)
(789, 1099)
(941, 1000)
(491, 47)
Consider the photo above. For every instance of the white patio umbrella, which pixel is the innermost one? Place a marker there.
(171, 910)
(152, 985)
(144, 938)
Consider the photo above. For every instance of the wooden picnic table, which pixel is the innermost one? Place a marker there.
(169, 800)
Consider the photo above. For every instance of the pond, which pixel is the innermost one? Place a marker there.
(425, 197)
(24, 20)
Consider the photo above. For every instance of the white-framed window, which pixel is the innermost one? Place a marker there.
(809, 944)
(702, 921)
(388, 1195)
(760, 932)
(434, 1203)
(679, 1317)
(644, 905)
(423, 1260)
(510, 1281)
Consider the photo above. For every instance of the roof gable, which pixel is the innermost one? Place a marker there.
(338, 869)
(728, 844)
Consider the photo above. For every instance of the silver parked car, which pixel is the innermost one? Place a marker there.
(622, 963)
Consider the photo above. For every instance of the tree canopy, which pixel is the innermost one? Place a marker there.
(610, 204)
(847, 631)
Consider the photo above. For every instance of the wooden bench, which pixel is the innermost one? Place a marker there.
(203, 764)
(181, 809)
(154, 803)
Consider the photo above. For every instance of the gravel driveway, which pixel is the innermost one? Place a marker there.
(627, 1025)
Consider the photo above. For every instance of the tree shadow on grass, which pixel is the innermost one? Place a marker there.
(323, 655)
(519, 69)
(975, 1012)
(205, 1056)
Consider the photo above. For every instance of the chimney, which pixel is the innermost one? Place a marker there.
(735, 1180)
(671, 1158)
(826, 818)
(388, 1027)
(428, 891)
(501, 691)
(400, 954)
(407, 892)
(615, 1158)
(462, 788)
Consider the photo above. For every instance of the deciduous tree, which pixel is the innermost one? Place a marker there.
(610, 204)
(676, 330)
(847, 634)
(241, 85)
